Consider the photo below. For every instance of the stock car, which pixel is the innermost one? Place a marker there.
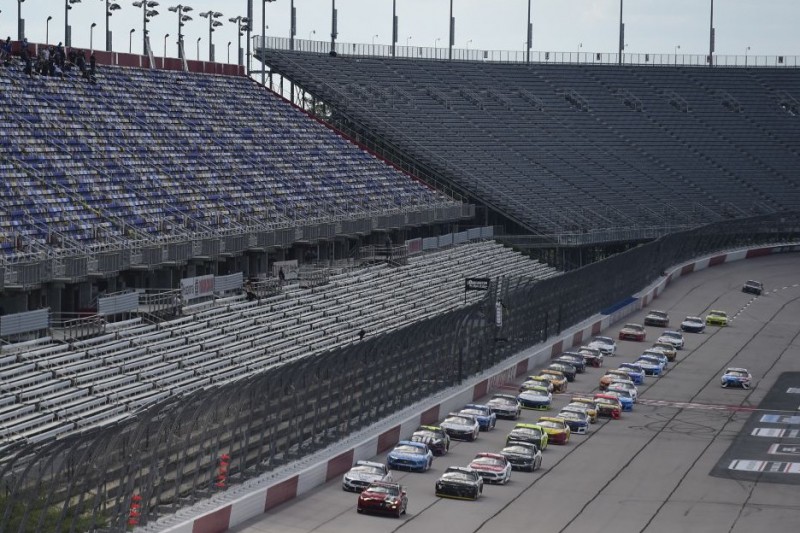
(567, 369)
(624, 384)
(383, 498)
(409, 455)
(542, 381)
(576, 419)
(487, 419)
(663, 348)
(606, 345)
(624, 397)
(558, 379)
(588, 406)
(675, 338)
(505, 406)
(693, 324)
(607, 405)
(591, 356)
(556, 428)
(716, 318)
(461, 483)
(535, 397)
(462, 427)
(736, 377)
(435, 437)
(635, 372)
(363, 474)
(493, 467)
(657, 318)
(531, 433)
(573, 358)
(753, 287)
(652, 365)
(659, 355)
(523, 456)
(611, 375)
(633, 332)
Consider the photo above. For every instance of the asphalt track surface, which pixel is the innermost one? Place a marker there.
(648, 471)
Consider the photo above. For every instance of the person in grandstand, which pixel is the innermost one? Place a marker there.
(281, 275)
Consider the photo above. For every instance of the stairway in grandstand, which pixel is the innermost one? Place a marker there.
(579, 147)
(49, 388)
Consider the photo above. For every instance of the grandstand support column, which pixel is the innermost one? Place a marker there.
(292, 25)
(334, 25)
(394, 26)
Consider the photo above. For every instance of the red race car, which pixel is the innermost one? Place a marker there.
(382, 497)
(633, 332)
(608, 405)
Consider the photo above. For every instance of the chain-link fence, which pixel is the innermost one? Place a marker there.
(175, 453)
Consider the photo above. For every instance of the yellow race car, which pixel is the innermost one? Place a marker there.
(557, 430)
(610, 376)
(716, 318)
(665, 348)
(558, 379)
(588, 405)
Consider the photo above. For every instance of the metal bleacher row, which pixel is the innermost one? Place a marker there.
(147, 152)
(50, 388)
(577, 147)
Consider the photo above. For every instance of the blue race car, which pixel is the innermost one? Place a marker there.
(636, 372)
(578, 421)
(651, 365)
(623, 396)
(736, 377)
(487, 418)
(409, 455)
(535, 397)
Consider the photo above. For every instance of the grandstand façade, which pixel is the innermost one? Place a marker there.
(147, 178)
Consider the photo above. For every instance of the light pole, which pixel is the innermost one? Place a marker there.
(468, 44)
(20, 22)
(91, 36)
(241, 24)
(180, 9)
(621, 33)
(264, 39)
(529, 41)
(292, 25)
(166, 36)
(47, 30)
(229, 52)
(711, 37)
(677, 47)
(312, 32)
(334, 25)
(130, 40)
(452, 31)
(109, 8)
(408, 40)
(147, 13)
(580, 45)
(212, 23)
(198, 48)
(67, 32)
(394, 26)
(745, 55)
(436, 43)
(373, 39)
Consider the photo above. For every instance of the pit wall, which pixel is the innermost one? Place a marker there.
(210, 518)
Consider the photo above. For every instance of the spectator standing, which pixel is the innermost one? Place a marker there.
(281, 275)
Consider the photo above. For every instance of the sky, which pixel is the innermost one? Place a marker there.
(754, 27)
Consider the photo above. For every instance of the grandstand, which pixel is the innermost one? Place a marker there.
(555, 149)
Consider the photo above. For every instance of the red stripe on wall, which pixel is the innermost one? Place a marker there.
(480, 390)
(717, 260)
(216, 522)
(522, 367)
(280, 493)
(687, 269)
(388, 439)
(645, 299)
(597, 327)
(556, 349)
(430, 416)
(577, 338)
(339, 465)
(758, 252)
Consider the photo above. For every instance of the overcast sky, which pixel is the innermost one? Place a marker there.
(767, 27)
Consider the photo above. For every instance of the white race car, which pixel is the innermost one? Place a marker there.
(606, 345)
(363, 474)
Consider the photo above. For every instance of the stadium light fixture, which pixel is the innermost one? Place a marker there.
(529, 39)
(212, 23)
(711, 37)
(147, 13)
(110, 8)
(229, 52)
(312, 32)
(452, 32)
(67, 33)
(264, 38)
(198, 48)
(91, 36)
(621, 33)
(745, 55)
(469, 41)
(677, 47)
(241, 24)
(166, 36)
(47, 29)
(130, 40)
(373, 39)
(180, 9)
(20, 22)
(408, 40)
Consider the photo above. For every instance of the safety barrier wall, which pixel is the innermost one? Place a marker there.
(276, 421)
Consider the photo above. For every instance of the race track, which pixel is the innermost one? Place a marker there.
(650, 470)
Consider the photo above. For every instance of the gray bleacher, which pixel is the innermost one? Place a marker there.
(581, 147)
(51, 388)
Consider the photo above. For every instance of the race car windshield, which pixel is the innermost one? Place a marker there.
(535, 393)
(672, 334)
(458, 476)
(603, 340)
(567, 414)
(487, 461)
(473, 412)
(606, 401)
(736, 373)
(382, 489)
(458, 420)
(660, 314)
(519, 450)
(635, 327)
(716, 313)
(405, 448)
(424, 435)
(693, 319)
(504, 401)
(526, 433)
(366, 469)
(550, 424)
